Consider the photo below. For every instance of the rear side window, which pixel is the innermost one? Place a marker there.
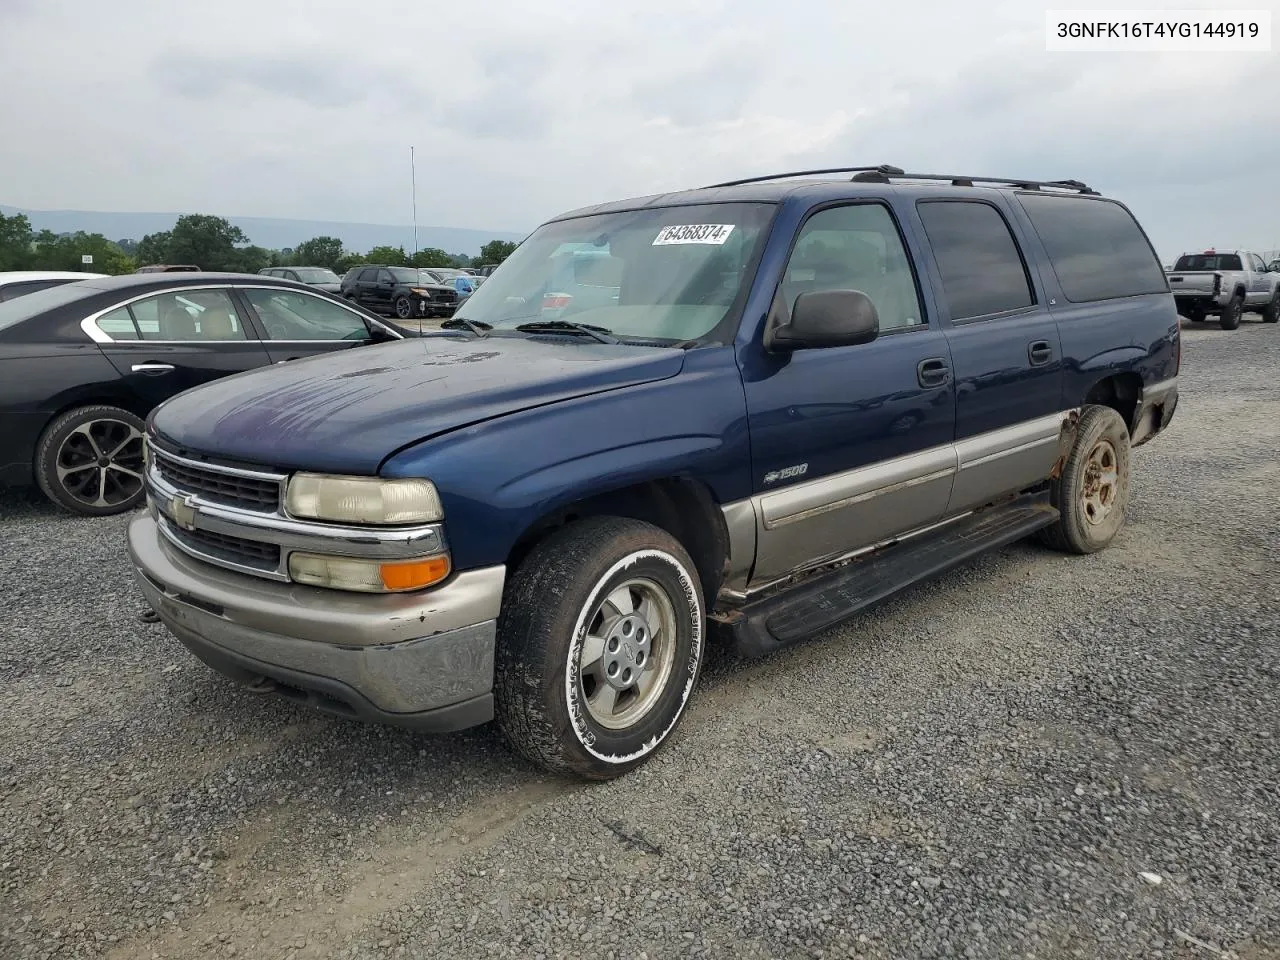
(982, 269)
(1097, 249)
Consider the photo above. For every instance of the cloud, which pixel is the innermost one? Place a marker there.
(518, 112)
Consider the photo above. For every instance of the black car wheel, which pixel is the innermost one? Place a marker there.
(89, 461)
(1271, 314)
(1230, 316)
(403, 308)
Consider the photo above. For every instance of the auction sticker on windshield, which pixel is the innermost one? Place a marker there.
(713, 233)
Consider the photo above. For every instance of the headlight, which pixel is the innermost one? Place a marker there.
(362, 499)
(420, 292)
(367, 576)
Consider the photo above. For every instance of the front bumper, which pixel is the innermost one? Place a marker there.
(436, 308)
(421, 660)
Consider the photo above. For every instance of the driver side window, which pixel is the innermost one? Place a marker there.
(289, 315)
(855, 247)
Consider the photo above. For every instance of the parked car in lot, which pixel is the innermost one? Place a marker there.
(18, 283)
(1225, 284)
(803, 396)
(82, 364)
(320, 277)
(402, 292)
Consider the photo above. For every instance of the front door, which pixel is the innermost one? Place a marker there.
(295, 324)
(850, 445)
(1006, 350)
(172, 341)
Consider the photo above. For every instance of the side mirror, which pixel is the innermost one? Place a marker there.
(827, 318)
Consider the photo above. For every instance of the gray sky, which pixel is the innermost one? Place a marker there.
(285, 108)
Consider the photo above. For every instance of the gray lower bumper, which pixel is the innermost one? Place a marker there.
(420, 660)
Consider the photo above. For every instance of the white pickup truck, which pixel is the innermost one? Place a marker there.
(1225, 283)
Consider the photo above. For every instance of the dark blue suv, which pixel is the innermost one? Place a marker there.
(742, 413)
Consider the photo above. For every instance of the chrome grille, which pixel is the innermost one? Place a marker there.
(218, 486)
(233, 550)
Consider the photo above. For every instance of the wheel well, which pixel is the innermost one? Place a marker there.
(1120, 392)
(683, 508)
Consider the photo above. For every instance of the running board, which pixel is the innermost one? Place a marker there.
(826, 599)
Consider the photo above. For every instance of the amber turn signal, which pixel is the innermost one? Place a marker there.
(415, 574)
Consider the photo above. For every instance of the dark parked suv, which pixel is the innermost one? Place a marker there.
(402, 292)
(740, 413)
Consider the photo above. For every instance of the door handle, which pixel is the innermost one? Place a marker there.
(1039, 352)
(154, 369)
(933, 372)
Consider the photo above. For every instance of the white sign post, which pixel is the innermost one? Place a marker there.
(86, 258)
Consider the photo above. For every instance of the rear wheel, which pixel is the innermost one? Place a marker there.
(1272, 312)
(1231, 313)
(89, 461)
(599, 646)
(1092, 491)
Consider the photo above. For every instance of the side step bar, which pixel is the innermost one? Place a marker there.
(825, 599)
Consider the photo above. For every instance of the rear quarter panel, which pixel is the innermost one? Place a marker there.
(497, 478)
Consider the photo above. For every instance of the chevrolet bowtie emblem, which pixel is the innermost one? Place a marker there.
(183, 510)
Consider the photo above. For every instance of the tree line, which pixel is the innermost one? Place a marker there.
(208, 242)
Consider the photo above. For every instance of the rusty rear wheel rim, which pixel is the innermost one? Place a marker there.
(1101, 488)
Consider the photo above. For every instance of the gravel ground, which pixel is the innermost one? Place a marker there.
(1035, 756)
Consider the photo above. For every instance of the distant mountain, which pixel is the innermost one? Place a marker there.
(266, 232)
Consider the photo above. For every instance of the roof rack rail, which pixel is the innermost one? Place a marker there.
(798, 173)
(884, 173)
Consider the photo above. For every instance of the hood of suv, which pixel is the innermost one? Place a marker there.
(346, 412)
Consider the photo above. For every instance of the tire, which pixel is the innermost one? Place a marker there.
(1195, 314)
(1089, 516)
(402, 308)
(1271, 314)
(1231, 313)
(577, 583)
(69, 474)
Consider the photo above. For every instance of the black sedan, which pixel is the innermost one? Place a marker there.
(82, 364)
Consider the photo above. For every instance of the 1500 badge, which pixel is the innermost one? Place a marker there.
(786, 473)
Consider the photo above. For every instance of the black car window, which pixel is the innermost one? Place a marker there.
(188, 315)
(288, 315)
(118, 324)
(982, 269)
(855, 248)
(368, 275)
(1097, 249)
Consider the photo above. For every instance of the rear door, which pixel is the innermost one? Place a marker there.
(1259, 282)
(295, 324)
(168, 342)
(1004, 345)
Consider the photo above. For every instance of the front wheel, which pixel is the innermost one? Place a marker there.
(1231, 313)
(403, 308)
(599, 647)
(1092, 490)
(1272, 312)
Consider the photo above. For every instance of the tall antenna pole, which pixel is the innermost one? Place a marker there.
(413, 179)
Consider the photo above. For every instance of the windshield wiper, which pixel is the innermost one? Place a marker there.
(478, 327)
(602, 334)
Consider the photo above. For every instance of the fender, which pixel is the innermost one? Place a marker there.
(498, 478)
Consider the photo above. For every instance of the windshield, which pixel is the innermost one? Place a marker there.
(27, 306)
(669, 273)
(1208, 261)
(410, 275)
(316, 275)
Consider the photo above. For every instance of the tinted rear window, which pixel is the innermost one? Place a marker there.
(1205, 261)
(982, 270)
(1097, 249)
(25, 307)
